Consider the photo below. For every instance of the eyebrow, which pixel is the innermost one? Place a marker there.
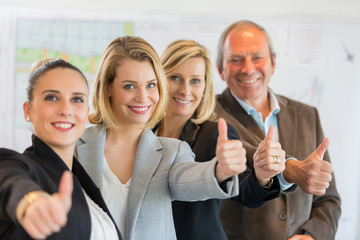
(56, 91)
(242, 55)
(135, 82)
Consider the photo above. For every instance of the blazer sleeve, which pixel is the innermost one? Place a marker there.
(196, 181)
(14, 184)
(326, 209)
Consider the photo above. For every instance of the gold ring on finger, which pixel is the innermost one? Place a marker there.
(276, 159)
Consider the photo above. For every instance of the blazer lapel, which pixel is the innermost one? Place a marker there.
(287, 126)
(250, 126)
(189, 132)
(90, 150)
(147, 160)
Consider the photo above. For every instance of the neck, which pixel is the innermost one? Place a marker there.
(129, 135)
(172, 126)
(261, 105)
(66, 154)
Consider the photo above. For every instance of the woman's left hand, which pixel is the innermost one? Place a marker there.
(231, 154)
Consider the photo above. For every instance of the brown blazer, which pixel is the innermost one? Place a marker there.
(300, 133)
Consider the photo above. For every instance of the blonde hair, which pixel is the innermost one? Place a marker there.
(120, 49)
(179, 52)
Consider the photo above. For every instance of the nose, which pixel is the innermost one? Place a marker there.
(141, 95)
(248, 66)
(65, 109)
(185, 88)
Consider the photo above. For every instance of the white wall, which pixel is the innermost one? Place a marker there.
(273, 8)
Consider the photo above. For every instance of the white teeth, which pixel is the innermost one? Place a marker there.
(63, 125)
(248, 81)
(140, 109)
(182, 101)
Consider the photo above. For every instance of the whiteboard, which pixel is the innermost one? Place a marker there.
(318, 62)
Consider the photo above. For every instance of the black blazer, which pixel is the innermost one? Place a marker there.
(200, 220)
(40, 168)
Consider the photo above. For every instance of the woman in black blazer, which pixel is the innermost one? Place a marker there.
(190, 118)
(39, 197)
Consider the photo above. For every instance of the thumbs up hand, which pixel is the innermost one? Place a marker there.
(47, 215)
(312, 174)
(269, 159)
(231, 155)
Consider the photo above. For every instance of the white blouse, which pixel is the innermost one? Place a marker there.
(102, 227)
(115, 195)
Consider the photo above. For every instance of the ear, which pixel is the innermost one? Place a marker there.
(26, 109)
(273, 62)
(220, 72)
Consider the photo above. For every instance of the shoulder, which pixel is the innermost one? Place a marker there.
(291, 102)
(90, 134)
(7, 154)
(301, 108)
(13, 158)
(4, 153)
(170, 142)
(172, 145)
(210, 129)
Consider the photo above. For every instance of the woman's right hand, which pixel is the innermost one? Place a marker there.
(269, 159)
(46, 216)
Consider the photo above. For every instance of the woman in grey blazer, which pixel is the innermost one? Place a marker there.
(138, 173)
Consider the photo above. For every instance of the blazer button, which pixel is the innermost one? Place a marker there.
(283, 216)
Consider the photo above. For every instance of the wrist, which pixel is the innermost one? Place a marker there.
(263, 182)
(26, 201)
(268, 183)
(289, 173)
(220, 176)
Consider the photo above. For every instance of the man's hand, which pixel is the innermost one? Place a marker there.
(312, 174)
(231, 154)
(269, 159)
(46, 216)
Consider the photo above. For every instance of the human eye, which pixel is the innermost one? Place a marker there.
(151, 85)
(51, 97)
(129, 86)
(195, 81)
(257, 58)
(78, 99)
(174, 78)
(236, 60)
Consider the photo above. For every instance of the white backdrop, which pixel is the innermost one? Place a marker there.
(318, 62)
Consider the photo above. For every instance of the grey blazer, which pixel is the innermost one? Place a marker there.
(164, 170)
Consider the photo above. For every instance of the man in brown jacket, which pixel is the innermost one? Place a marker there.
(246, 62)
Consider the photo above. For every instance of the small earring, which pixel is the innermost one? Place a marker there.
(27, 119)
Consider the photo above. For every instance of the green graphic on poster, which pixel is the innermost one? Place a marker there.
(80, 42)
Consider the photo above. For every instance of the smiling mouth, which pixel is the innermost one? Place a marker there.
(140, 110)
(247, 81)
(182, 101)
(62, 125)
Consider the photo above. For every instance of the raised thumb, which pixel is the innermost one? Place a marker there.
(321, 149)
(222, 128)
(270, 134)
(65, 189)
